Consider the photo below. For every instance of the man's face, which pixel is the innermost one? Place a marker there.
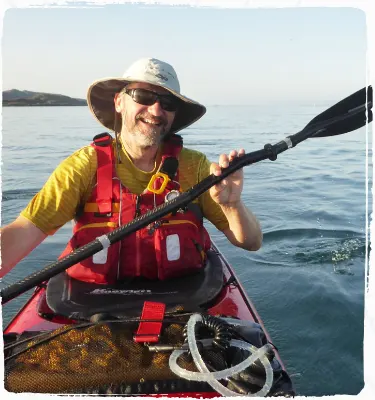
(144, 125)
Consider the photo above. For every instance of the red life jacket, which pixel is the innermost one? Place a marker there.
(173, 246)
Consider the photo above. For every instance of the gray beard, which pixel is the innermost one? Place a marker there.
(152, 138)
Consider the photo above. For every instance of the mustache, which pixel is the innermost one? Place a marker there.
(152, 118)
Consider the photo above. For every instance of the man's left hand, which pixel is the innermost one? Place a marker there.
(227, 193)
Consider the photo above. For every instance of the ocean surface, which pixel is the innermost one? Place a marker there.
(307, 281)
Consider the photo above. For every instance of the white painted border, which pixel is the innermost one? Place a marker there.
(366, 5)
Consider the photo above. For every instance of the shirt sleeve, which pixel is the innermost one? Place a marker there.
(65, 190)
(211, 210)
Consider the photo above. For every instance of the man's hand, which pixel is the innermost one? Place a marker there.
(228, 191)
(244, 230)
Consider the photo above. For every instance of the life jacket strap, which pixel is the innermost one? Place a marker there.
(105, 156)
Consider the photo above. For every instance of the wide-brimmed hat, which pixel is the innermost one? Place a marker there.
(100, 95)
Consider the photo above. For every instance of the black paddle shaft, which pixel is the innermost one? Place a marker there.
(349, 114)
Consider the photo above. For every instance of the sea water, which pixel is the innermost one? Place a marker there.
(307, 281)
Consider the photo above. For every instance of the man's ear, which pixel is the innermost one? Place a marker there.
(118, 102)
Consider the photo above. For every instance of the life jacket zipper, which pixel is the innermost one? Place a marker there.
(137, 238)
(178, 222)
(98, 225)
(119, 258)
(152, 228)
(137, 206)
(137, 253)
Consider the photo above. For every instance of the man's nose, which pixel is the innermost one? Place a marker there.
(156, 109)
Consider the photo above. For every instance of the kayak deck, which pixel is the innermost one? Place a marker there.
(231, 302)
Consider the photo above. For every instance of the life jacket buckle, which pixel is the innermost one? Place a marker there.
(166, 179)
(103, 139)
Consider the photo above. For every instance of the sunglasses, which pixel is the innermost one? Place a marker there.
(148, 98)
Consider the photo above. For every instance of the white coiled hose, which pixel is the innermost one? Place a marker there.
(212, 377)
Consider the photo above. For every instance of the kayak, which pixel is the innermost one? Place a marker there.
(194, 336)
(230, 302)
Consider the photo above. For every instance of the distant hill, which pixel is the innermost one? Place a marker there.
(25, 98)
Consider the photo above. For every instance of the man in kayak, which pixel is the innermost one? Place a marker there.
(112, 181)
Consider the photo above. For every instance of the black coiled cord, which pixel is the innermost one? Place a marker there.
(212, 327)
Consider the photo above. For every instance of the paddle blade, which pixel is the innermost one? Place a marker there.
(355, 111)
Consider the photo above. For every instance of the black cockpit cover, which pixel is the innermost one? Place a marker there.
(80, 300)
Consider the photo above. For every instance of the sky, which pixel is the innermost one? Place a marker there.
(221, 55)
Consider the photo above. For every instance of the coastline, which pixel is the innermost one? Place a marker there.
(26, 98)
(43, 105)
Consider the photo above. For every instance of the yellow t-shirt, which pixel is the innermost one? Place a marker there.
(71, 183)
